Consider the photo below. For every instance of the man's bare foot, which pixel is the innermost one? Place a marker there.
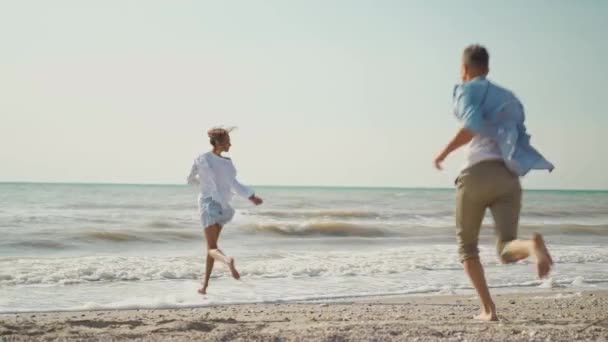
(235, 273)
(202, 290)
(543, 258)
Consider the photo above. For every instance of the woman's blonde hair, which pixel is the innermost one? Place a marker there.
(218, 134)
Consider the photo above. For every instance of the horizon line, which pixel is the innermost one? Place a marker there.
(292, 186)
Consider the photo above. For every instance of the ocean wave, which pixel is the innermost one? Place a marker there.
(161, 224)
(316, 213)
(38, 244)
(76, 270)
(189, 301)
(95, 206)
(157, 233)
(567, 229)
(55, 219)
(110, 236)
(338, 229)
(348, 214)
(577, 212)
(372, 229)
(407, 261)
(187, 297)
(138, 236)
(569, 223)
(80, 239)
(182, 235)
(408, 212)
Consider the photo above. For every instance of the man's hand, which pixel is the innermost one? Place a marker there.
(255, 200)
(439, 160)
(462, 137)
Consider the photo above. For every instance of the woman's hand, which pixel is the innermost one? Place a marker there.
(255, 199)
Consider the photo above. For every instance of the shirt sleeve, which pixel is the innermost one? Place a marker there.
(193, 176)
(469, 108)
(241, 189)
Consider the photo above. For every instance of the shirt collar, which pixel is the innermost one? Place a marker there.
(457, 86)
(478, 78)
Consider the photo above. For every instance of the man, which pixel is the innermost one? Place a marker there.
(498, 153)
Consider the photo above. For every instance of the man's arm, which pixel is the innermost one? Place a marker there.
(469, 113)
(462, 137)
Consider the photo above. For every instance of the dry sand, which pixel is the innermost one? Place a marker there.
(550, 316)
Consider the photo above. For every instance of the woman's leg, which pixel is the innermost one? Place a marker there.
(212, 234)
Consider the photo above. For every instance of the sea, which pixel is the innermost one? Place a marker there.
(100, 246)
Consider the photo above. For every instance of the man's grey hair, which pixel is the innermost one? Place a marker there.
(476, 56)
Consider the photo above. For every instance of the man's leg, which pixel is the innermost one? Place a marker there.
(521, 249)
(475, 271)
(470, 210)
(506, 211)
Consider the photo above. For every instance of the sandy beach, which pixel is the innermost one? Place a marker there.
(547, 316)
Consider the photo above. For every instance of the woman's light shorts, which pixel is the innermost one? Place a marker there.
(212, 213)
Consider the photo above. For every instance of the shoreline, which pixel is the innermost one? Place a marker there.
(558, 315)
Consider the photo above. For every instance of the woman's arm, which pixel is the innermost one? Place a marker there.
(193, 176)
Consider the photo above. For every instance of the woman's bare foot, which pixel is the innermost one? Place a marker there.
(235, 273)
(202, 290)
(543, 258)
(487, 314)
(487, 317)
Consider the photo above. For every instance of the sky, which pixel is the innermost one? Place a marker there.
(323, 92)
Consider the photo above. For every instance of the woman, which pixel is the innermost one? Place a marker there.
(216, 177)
